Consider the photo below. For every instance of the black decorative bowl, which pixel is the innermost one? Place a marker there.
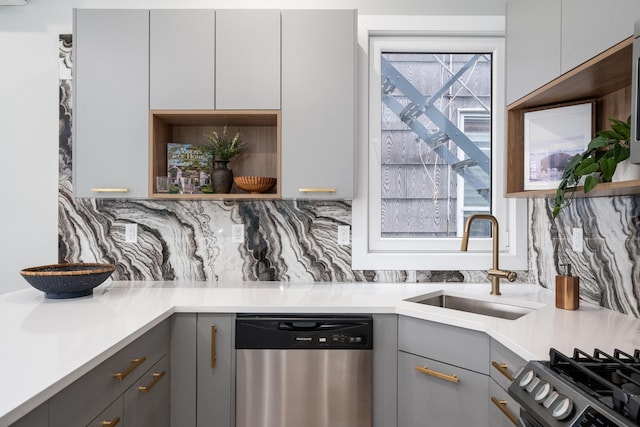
(59, 281)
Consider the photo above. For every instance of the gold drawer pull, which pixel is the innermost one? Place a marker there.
(502, 368)
(156, 377)
(453, 378)
(134, 364)
(111, 423)
(502, 405)
(317, 190)
(213, 345)
(110, 190)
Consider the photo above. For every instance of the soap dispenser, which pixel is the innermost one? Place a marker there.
(567, 291)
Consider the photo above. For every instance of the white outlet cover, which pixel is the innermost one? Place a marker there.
(577, 240)
(131, 233)
(344, 234)
(237, 233)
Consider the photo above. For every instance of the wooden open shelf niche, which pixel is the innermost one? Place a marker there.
(605, 78)
(260, 129)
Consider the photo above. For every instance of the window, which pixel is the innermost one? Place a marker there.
(431, 147)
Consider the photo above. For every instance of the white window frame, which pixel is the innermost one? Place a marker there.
(429, 254)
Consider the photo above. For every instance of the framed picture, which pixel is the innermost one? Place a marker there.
(552, 136)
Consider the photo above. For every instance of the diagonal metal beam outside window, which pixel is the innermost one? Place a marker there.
(419, 105)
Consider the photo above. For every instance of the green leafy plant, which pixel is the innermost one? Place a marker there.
(222, 146)
(596, 164)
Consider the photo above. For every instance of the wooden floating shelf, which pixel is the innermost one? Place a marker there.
(206, 196)
(605, 78)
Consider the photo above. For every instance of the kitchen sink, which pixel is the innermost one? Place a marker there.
(472, 305)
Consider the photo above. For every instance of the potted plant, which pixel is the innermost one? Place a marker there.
(222, 147)
(596, 164)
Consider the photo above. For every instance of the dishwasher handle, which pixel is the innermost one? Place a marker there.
(310, 325)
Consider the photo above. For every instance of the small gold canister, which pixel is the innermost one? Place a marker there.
(568, 291)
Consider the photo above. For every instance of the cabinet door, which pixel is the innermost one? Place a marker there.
(385, 370)
(318, 103)
(111, 417)
(503, 410)
(248, 59)
(215, 366)
(39, 417)
(181, 59)
(425, 400)
(147, 402)
(183, 370)
(590, 27)
(111, 103)
(532, 45)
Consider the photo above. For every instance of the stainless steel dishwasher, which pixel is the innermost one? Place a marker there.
(312, 371)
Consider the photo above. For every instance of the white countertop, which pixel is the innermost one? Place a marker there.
(48, 344)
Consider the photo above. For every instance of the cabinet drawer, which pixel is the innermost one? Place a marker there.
(112, 416)
(147, 402)
(84, 399)
(504, 364)
(427, 400)
(456, 346)
(503, 410)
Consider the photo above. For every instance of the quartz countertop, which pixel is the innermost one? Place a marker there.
(48, 344)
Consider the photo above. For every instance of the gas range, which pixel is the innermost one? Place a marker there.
(581, 390)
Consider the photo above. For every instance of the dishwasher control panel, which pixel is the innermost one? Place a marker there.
(303, 332)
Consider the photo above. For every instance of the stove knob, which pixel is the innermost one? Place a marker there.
(525, 378)
(542, 392)
(561, 407)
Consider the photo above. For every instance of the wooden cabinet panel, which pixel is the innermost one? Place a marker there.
(182, 59)
(425, 400)
(247, 59)
(532, 45)
(111, 103)
(318, 103)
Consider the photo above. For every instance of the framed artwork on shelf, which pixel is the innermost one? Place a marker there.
(552, 136)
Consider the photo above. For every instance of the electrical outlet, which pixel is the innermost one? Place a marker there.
(131, 233)
(577, 240)
(237, 233)
(344, 234)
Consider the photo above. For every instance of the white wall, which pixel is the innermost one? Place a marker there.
(29, 106)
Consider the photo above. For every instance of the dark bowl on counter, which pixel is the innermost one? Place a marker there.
(71, 280)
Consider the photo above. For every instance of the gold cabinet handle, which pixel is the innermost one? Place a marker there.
(317, 190)
(110, 190)
(502, 368)
(502, 405)
(134, 364)
(214, 330)
(111, 423)
(157, 376)
(453, 378)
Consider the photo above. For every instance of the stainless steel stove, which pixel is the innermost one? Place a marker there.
(581, 390)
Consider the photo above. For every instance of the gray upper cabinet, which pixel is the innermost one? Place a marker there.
(247, 59)
(111, 103)
(318, 103)
(590, 27)
(182, 59)
(532, 45)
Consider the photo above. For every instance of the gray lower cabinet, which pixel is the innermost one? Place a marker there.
(216, 371)
(318, 103)
(110, 417)
(183, 369)
(443, 375)
(385, 370)
(146, 403)
(503, 410)
(85, 399)
(111, 103)
(38, 417)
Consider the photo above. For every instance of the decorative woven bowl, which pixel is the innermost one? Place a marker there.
(255, 184)
(59, 281)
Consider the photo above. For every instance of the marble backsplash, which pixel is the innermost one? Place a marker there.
(296, 240)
